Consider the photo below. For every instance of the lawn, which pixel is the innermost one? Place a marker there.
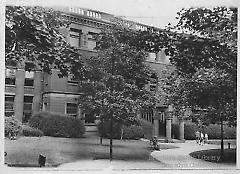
(25, 150)
(226, 141)
(214, 155)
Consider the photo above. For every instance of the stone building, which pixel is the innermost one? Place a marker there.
(27, 93)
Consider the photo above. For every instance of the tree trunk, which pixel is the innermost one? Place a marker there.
(222, 143)
(101, 122)
(111, 135)
(121, 132)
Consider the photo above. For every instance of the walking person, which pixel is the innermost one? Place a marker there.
(205, 138)
(197, 134)
(201, 138)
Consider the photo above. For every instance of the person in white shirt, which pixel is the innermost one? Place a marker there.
(205, 138)
(201, 138)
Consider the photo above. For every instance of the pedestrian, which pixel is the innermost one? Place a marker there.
(197, 134)
(205, 138)
(201, 138)
(155, 143)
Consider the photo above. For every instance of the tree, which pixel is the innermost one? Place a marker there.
(33, 34)
(114, 83)
(206, 58)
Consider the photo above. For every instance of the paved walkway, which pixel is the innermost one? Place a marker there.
(180, 158)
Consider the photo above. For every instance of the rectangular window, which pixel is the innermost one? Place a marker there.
(29, 78)
(72, 109)
(92, 36)
(29, 82)
(75, 37)
(10, 76)
(27, 108)
(10, 80)
(9, 105)
(28, 100)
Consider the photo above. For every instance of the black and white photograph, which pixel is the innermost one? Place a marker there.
(120, 86)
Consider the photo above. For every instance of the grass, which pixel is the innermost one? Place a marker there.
(214, 155)
(226, 141)
(25, 150)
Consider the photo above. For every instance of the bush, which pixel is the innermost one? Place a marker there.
(175, 131)
(132, 132)
(189, 131)
(104, 129)
(147, 128)
(126, 132)
(213, 131)
(12, 127)
(31, 132)
(57, 125)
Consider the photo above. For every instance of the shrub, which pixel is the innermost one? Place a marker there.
(126, 132)
(213, 131)
(147, 128)
(56, 125)
(132, 132)
(189, 131)
(104, 129)
(175, 131)
(31, 132)
(230, 132)
(12, 127)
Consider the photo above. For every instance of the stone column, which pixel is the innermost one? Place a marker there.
(19, 94)
(156, 127)
(168, 130)
(155, 123)
(37, 91)
(169, 117)
(181, 129)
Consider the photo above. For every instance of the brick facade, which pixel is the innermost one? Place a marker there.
(51, 93)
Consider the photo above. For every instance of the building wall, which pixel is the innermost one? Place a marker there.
(51, 93)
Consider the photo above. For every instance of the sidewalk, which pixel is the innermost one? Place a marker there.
(180, 158)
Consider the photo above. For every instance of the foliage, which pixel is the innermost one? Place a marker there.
(57, 125)
(120, 131)
(213, 155)
(213, 131)
(104, 129)
(33, 34)
(147, 129)
(115, 79)
(12, 127)
(31, 132)
(206, 60)
(132, 132)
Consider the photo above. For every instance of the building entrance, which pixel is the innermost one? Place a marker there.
(89, 119)
(162, 128)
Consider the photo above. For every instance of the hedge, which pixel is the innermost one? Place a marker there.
(56, 125)
(147, 129)
(12, 127)
(213, 131)
(132, 132)
(31, 132)
(119, 131)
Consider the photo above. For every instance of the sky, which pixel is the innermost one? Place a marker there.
(156, 13)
